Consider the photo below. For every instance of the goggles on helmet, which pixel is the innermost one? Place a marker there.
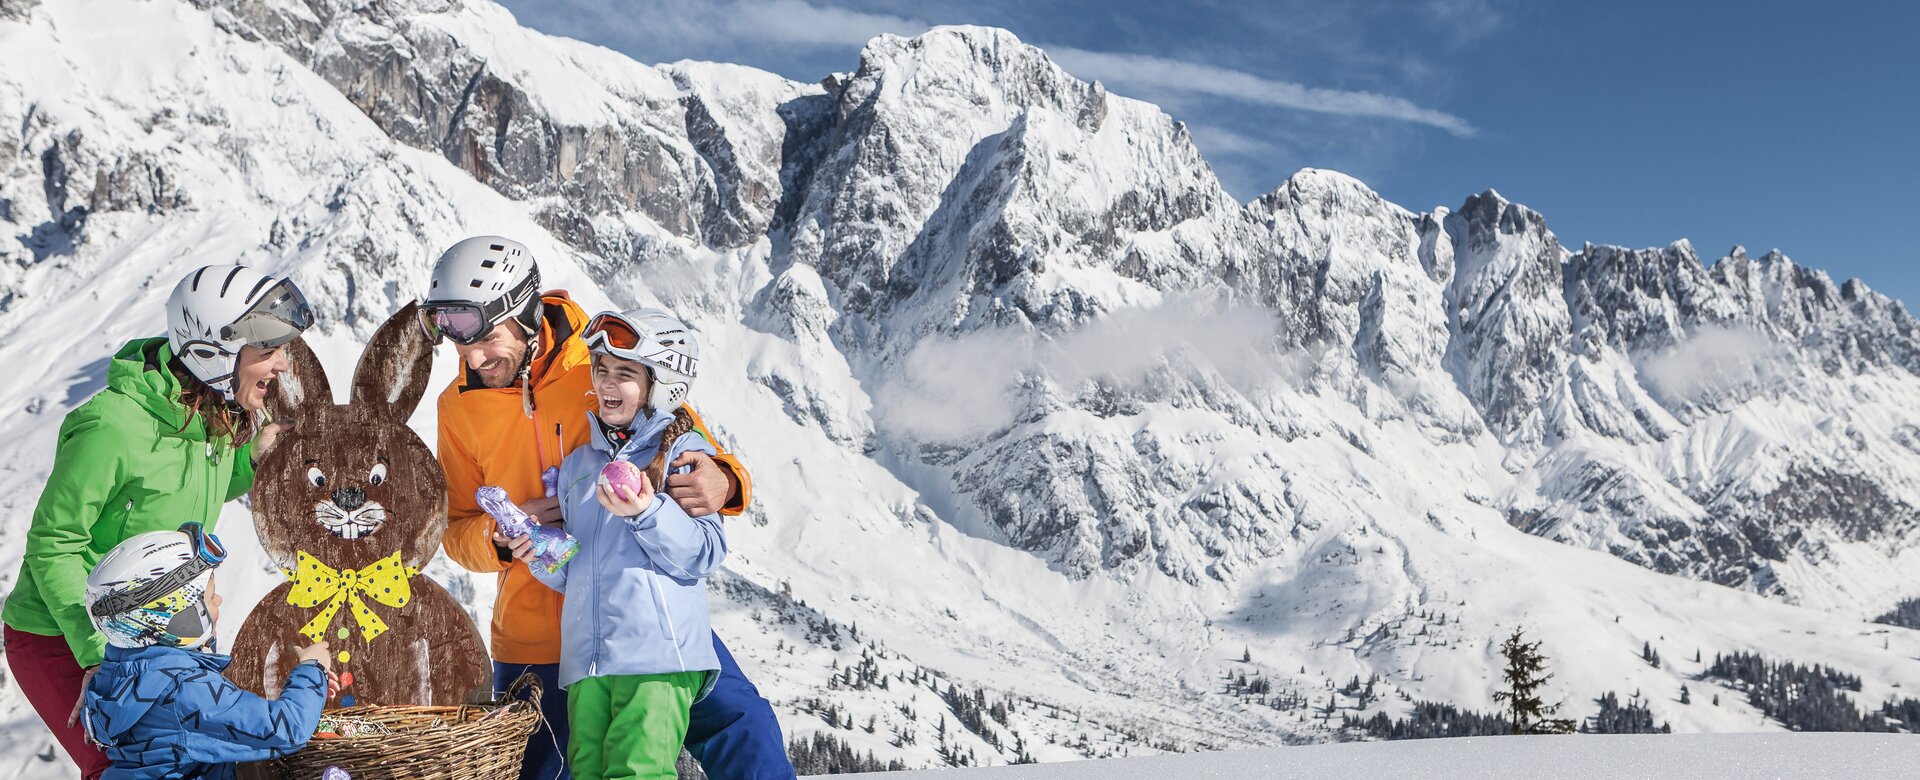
(609, 333)
(467, 322)
(276, 318)
(207, 553)
(464, 323)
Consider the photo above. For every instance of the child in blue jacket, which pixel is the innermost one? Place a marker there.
(158, 702)
(636, 646)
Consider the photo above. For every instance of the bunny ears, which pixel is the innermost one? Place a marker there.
(390, 380)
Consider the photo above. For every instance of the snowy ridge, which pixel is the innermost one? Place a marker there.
(1032, 406)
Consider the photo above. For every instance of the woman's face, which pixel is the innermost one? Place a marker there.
(623, 387)
(254, 373)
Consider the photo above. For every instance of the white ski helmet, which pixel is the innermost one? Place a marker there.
(218, 309)
(659, 340)
(478, 284)
(151, 589)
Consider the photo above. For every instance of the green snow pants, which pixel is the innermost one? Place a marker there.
(629, 725)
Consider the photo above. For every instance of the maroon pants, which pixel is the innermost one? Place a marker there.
(48, 675)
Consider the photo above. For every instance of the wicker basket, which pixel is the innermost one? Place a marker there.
(479, 742)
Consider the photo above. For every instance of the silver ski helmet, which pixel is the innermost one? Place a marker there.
(151, 589)
(654, 338)
(477, 284)
(218, 309)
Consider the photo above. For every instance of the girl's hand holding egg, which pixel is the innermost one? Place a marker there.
(624, 489)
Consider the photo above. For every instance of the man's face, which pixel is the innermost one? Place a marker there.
(497, 357)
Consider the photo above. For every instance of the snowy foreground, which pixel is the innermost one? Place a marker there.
(1583, 756)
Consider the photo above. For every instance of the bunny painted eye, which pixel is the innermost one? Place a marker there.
(316, 478)
(378, 475)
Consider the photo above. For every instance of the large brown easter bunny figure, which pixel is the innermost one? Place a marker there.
(350, 506)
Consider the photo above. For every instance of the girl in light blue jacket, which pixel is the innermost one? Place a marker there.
(636, 644)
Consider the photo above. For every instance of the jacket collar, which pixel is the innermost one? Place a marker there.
(645, 437)
(212, 661)
(139, 371)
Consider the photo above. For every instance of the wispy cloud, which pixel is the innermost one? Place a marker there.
(1465, 20)
(670, 29)
(1178, 75)
(802, 23)
(658, 30)
(1717, 364)
(955, 389)
(1220, 140)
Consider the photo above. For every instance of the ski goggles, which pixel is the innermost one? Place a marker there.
(610, 333)
(464, 323)
(207, 553)
(467, 322)
(276, 318)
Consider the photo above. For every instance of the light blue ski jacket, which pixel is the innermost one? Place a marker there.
(636, 603)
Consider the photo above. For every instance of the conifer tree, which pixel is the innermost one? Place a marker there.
(1526, 674)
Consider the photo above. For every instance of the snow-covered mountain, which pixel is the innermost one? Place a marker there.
(1032, 405)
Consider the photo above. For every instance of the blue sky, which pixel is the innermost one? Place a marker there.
(1636, 123)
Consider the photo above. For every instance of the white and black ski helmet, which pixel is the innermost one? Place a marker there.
(218, 309)
(657, 339)
(479, 283)
(151, 589)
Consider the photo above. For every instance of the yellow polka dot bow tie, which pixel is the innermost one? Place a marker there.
(316, 584)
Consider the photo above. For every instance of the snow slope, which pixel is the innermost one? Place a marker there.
(1032, 406)
(1701, 757)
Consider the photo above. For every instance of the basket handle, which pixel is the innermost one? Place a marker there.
(529, 684)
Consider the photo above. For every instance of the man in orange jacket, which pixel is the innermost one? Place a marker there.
(519, 406)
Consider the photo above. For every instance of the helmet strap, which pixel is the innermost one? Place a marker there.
(533, 352)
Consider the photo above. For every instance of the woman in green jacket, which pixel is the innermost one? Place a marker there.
(173, 436)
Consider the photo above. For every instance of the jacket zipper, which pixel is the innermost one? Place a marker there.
(599, 527)
(538, 450)
(210, 520)
(593, 667)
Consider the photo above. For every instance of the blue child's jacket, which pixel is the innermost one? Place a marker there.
(164, 712)
(635, 601)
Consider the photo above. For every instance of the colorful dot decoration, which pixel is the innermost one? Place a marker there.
(343, 633)
(346, 700)
(344, 656)
(346, 679)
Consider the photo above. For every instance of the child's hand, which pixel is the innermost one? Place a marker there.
(333, 684)
(626, 503)
(318, 651)
(520, 546)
